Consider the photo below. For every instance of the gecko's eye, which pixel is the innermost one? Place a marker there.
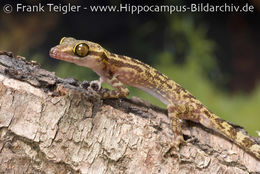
(62, 39)
(81, 49)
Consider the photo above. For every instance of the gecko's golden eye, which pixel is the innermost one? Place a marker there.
(62, 39)
(81, 49)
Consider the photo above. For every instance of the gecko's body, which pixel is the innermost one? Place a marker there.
(119, 71)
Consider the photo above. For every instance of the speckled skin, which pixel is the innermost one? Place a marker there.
(119, 70)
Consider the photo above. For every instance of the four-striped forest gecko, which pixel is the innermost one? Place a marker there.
(119, 71)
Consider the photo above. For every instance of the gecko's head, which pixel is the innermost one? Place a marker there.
(80, 52)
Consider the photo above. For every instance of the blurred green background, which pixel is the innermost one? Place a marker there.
(214, 55)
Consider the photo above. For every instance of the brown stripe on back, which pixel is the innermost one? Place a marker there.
(165, 78)
(218, 121)
(199, 105)
(147, 72)
(157, 77)
(208, 114)
(141, 63)
(123, 64)
(188, 96)
(161, 78)
(247, 142)
(179, 88)
(233, 133)
(134, 61)
(124, 57)
(169, 86)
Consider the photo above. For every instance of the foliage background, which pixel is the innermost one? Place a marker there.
(213, 55)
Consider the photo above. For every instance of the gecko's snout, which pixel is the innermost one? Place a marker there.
(53, 52)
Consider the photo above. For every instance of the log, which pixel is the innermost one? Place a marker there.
(54, 125)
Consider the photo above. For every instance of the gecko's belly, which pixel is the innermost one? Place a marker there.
(147, 82)
(163, 97)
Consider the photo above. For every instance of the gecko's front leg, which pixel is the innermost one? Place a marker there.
(96, 84)
(119, 91)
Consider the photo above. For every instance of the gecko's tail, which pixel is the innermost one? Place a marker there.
(230, 132)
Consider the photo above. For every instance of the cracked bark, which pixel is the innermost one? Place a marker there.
(73, 131)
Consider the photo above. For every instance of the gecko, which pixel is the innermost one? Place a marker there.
(121, 71)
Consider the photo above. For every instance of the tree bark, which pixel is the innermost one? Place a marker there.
(54, 125)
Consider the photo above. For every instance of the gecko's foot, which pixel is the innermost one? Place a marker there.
(191, 140)
(177, 142)
(95, 85)
(174, 149)
(93, 90)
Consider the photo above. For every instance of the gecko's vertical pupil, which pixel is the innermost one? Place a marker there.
(81, 49)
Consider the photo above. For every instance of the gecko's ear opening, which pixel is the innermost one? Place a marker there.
(81, 49)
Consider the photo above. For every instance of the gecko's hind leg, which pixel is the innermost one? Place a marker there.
(174, 112)
(177, 112)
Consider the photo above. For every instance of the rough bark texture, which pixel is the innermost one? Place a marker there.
(53, 125)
